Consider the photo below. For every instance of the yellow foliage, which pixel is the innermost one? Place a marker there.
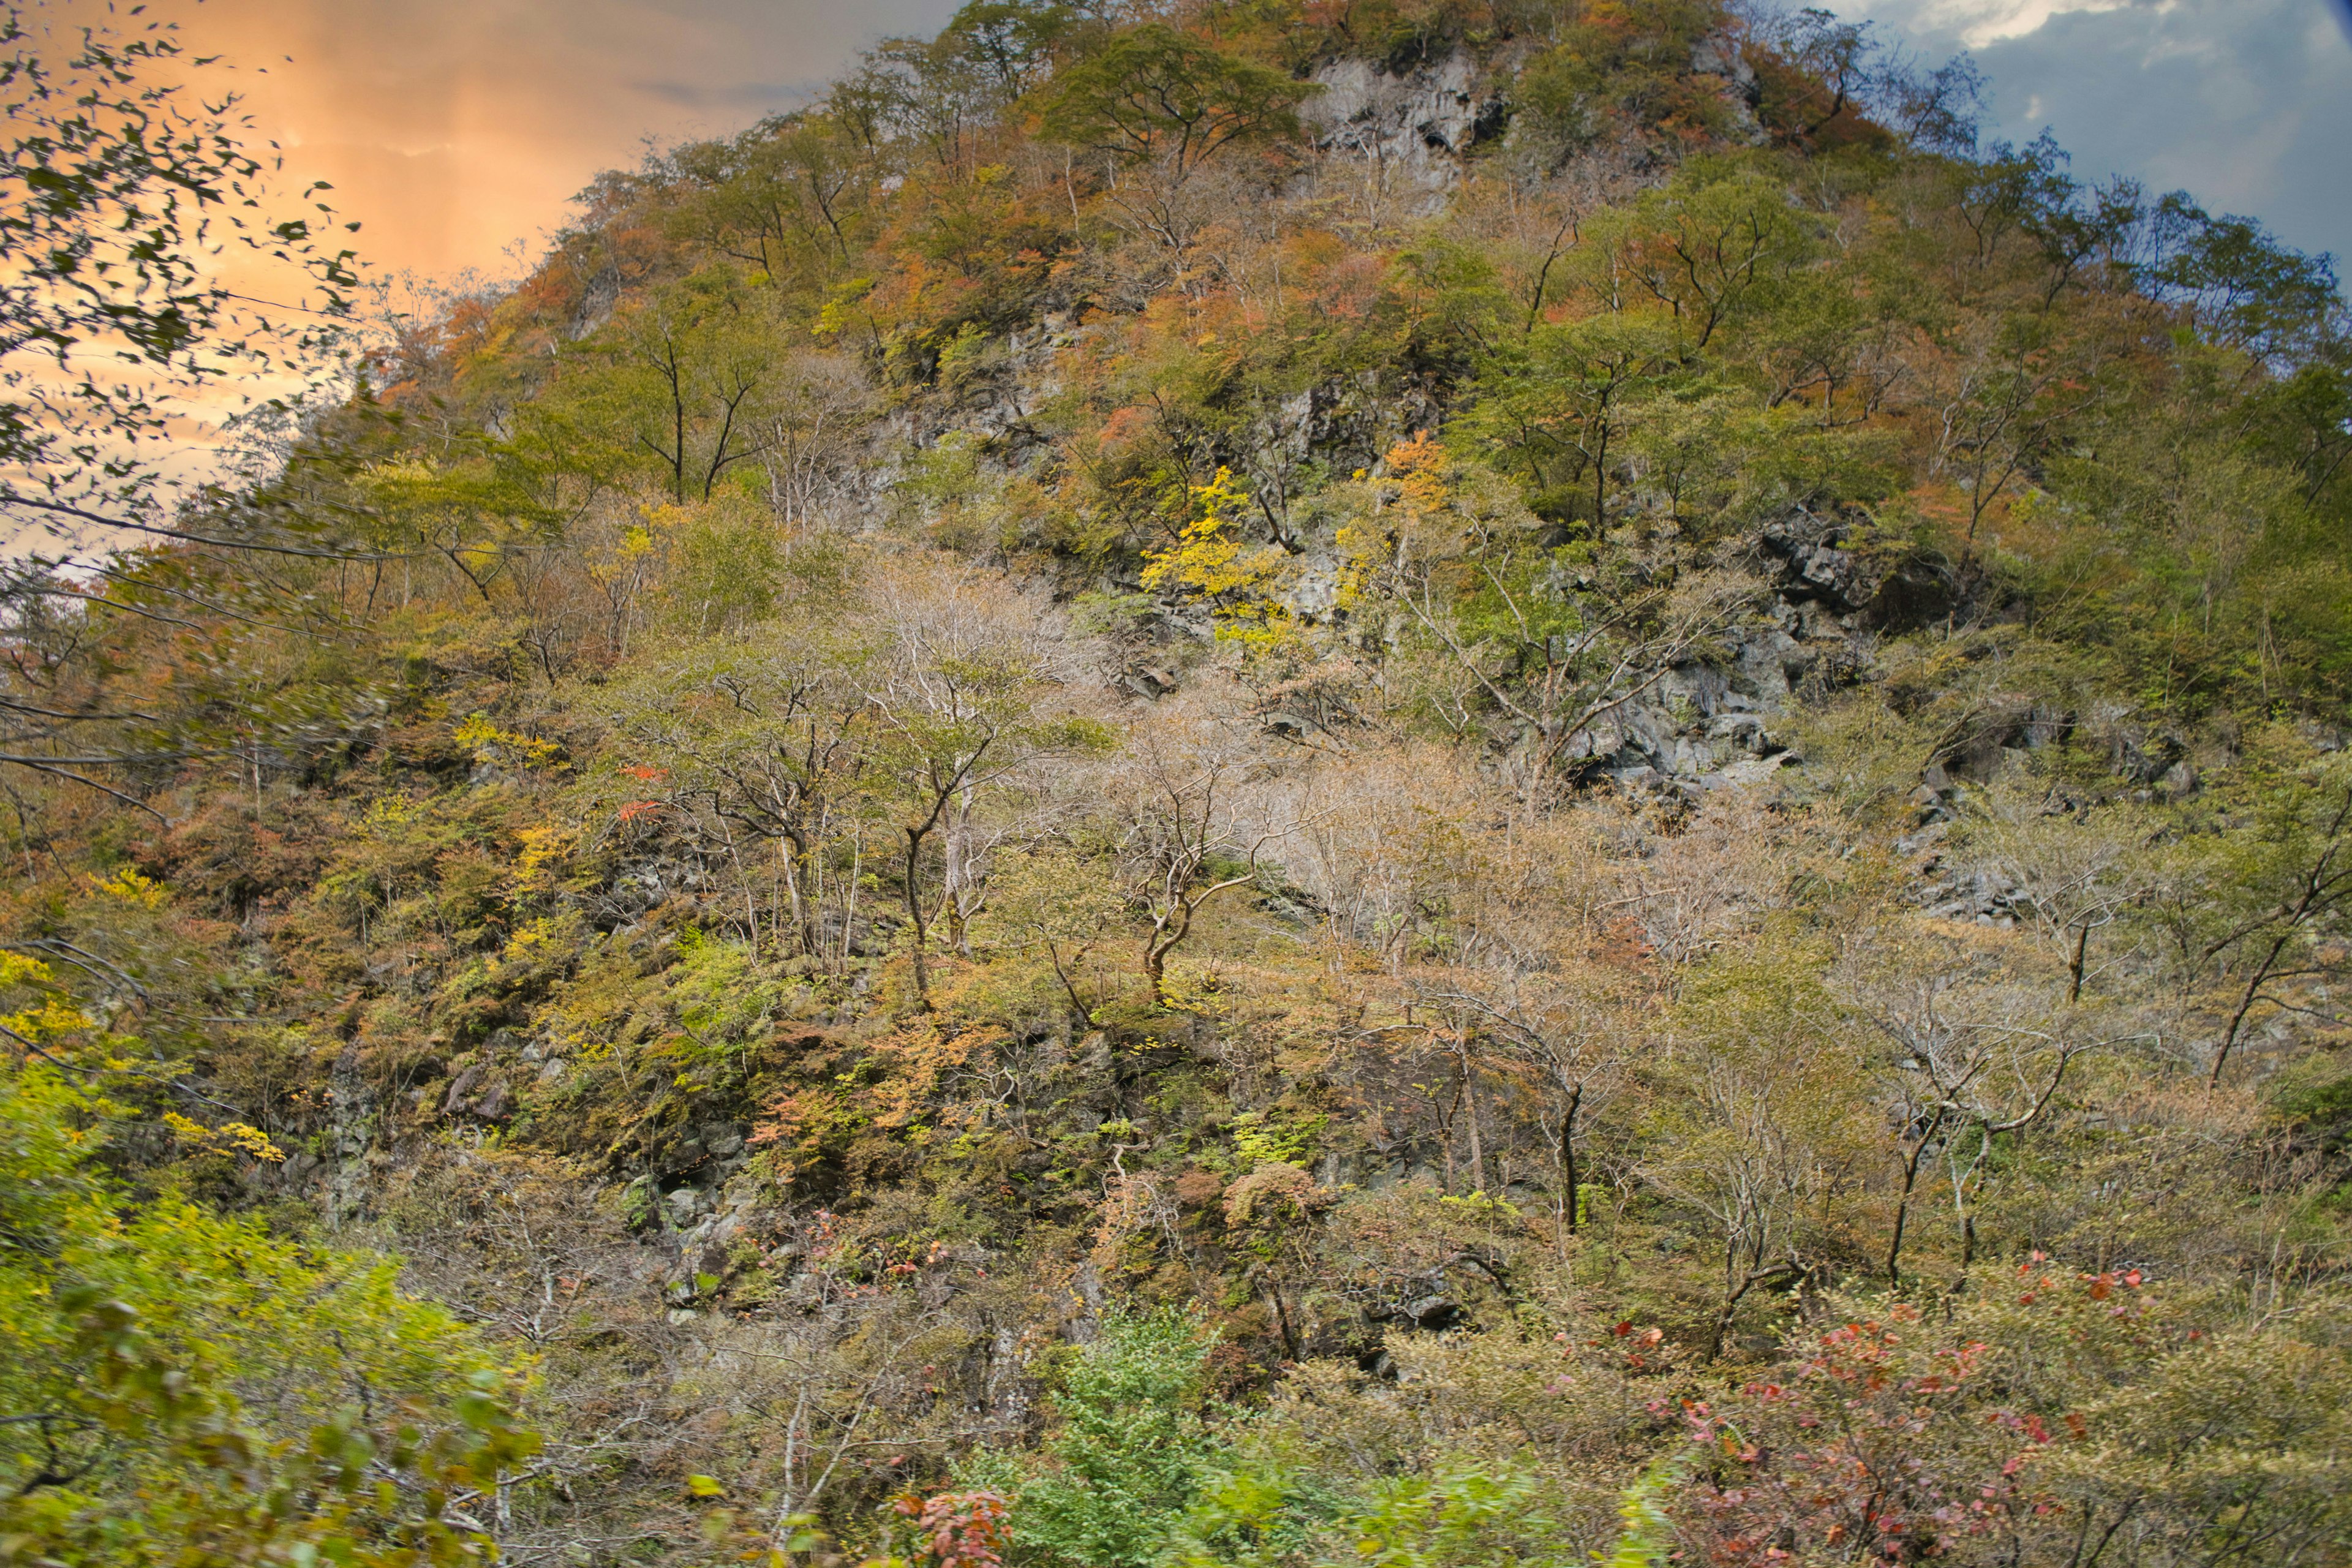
(485, 737)
(540, 848)
(387, 814)
(53, 1015)
(228, 1138)
(528, 939)
(15, 969)
(130, 888)
(1211, 563)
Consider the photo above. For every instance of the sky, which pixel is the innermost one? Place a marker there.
(458, 131)
(2245, 104)
(455, 128)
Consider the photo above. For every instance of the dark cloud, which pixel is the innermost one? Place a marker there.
(2246, 104)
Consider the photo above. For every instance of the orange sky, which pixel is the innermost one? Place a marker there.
(455, 128)
(458, 131)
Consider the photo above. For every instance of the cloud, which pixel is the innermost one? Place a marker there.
(1977, 23)
(753, 98)
(2247, 104)
(456, 128)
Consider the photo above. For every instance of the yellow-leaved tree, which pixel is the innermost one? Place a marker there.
(1214, 566)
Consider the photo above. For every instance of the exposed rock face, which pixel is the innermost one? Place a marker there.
(1411, 128)
(1704, 725)
(350, 1138)
(1879, 591)
(1719, 54)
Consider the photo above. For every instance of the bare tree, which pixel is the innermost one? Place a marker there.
(1185, 843)
(963, 696)
(1978, 1060)
(1563, 1029)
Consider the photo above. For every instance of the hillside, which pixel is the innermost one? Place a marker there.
(1231, 782)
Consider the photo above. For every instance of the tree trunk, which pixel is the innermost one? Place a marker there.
(1155, 971)
(1567, 1158)
(1477, 1142)
(915, 914)
(1732, 1298)
(1903, 1203)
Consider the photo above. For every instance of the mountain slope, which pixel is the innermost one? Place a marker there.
(1450, 782)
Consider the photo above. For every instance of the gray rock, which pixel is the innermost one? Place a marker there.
(1411, 128)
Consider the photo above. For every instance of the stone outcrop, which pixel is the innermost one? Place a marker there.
(1411, 127)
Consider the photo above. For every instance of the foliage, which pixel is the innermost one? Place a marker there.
(1090, 809)
(118, 181)
(1131, 1451)
(1152, 94)
(1211, 565)
(254, 1398)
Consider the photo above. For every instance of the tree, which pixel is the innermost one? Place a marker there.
(2067, 1418)
(2270, 943)
(126, 201)
(2240, 285)
(113, 322)
(1011, 41)
(960, 695)
(691, 379)
(2008, 393)
(1164, 103)
(1061, 903)
(765, 733)
(1569, 394)
(1131, 1452)
(1153, 94)
(1979, 1054)
(175, 1380)
(1184, 844)
(1760, 1132)
(1562, 1029)
(1716, 243)
(787, 197)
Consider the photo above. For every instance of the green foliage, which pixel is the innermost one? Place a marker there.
(1130, 1453)
(684, 383)
(1460, 1516)
(1152, 94)
(213, 1490)
(1264, 1512)
(1569, 394)
(1647, 1538)
(728, 568)
(251, 1395)
(1624, 63)
(1258, 1140)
